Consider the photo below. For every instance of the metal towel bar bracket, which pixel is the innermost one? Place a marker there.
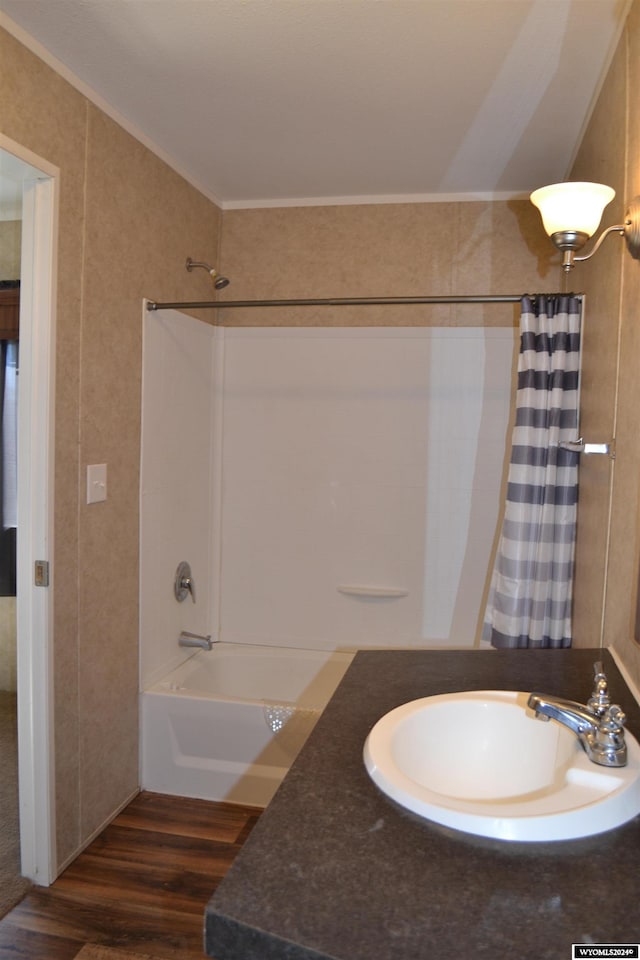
(579, 446)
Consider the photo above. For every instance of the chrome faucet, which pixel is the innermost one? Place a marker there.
(187, 639)
(598, 724)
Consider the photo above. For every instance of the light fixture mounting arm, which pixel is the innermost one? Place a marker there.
(618, 228)
(630, 230)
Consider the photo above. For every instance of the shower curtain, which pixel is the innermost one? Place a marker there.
(531, 589)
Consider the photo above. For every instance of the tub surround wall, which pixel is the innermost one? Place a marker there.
(354, 459)
(179, 484)
(292, 466)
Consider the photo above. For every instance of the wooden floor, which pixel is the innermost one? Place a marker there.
(141, 886)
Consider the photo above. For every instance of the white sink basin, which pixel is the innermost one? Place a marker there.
(481, 762)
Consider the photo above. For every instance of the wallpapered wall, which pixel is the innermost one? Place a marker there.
(126, 225)
(606, 580)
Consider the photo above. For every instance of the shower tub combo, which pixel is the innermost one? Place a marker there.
(388, 436)
(228, 723)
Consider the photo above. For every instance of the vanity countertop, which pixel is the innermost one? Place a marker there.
(336, 871)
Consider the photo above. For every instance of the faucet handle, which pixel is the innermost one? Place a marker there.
(607, 747)
(611, 736)
(614, 719)
(183, 584)
(600, 701)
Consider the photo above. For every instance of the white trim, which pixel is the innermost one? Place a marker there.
(375, 200)
(217, 489)
(36, 415)
(24, 156)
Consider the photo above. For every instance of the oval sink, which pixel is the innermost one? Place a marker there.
(481, 762)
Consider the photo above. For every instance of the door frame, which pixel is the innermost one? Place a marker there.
(34, 604)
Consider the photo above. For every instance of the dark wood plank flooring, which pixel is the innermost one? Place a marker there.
(142, 885)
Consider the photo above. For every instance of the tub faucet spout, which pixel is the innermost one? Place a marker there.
(598, 725)
(187, 639)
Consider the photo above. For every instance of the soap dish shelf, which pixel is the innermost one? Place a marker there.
(362, 590)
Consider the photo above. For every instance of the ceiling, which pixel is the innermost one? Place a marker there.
(261, 102)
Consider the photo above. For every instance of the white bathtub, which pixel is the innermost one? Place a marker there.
(227, 723)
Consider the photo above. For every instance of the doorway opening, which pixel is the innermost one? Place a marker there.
(33, 182)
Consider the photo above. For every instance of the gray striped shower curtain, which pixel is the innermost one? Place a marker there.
(530, 596)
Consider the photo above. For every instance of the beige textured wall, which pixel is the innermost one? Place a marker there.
(384, 250)
(625, 525)
(599, 279)
(10, 238)
(611, 386)
(127, 223)
(620, 626)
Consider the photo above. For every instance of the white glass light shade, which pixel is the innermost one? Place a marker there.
(572, 206)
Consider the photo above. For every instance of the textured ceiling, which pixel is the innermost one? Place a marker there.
(275, 101)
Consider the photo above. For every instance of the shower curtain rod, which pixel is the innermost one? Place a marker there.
(332, 302)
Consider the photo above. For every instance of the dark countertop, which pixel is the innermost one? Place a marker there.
(336, 871)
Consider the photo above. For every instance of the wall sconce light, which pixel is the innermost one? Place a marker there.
(571, 213)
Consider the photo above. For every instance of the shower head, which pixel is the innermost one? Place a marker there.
(219, 282)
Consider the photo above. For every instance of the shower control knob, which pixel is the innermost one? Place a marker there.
(184, 584)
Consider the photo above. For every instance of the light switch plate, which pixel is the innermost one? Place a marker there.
(96, 482)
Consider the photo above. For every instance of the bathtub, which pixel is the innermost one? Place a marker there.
(228, 723)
